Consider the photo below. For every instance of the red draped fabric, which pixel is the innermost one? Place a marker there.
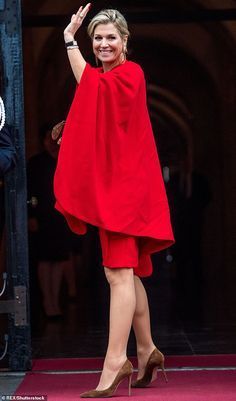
(108, 172)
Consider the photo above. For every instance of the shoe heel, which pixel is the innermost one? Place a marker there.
(163, 371)
(129, 384)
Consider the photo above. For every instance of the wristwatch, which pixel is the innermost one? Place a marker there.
(71, 43)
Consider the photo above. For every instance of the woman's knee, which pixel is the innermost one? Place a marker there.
(116, 276)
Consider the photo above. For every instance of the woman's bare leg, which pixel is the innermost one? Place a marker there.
(44, 276)
(56, 281)
(50, 277)
(122, 306)
(142, 327)
(69, 276)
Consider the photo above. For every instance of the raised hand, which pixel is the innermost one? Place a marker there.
(76, 22)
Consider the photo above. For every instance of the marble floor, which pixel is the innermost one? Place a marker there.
(178, 328)
(180, 322)
(70, 338)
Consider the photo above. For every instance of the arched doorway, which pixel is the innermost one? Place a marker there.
(185, 69)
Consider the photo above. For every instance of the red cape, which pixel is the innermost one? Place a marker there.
(108, 172)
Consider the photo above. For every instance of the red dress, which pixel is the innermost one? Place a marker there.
(108, 172)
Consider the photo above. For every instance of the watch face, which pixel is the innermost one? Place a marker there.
(71, 43)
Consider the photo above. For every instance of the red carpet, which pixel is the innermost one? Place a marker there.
(171, 362)
(215, 385)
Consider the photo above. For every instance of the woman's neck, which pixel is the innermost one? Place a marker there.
(109, 66)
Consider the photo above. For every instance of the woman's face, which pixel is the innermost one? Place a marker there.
(108, 46)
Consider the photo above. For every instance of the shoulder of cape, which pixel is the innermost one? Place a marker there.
(129, 73)
(128, 67)
(132, 65)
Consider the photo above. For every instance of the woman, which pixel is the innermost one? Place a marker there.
(45, 223)
(108, 175)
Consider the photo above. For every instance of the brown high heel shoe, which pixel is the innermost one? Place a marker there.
(155, 361)
(125, 372)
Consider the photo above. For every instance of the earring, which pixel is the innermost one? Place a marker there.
(124, 53)
(96, 60)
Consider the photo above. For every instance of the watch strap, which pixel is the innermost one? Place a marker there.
(71, 43)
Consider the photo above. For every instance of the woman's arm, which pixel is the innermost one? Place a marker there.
(76, 59)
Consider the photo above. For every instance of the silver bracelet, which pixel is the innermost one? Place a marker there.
(72, 47)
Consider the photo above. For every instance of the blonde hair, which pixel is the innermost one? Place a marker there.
(109, 16)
